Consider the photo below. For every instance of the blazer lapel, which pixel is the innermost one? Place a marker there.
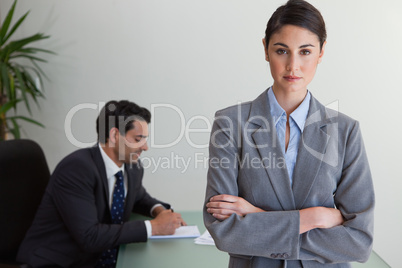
(312, 151)
(101, 169)
(130, 194)
(133, 173)
(265, 139)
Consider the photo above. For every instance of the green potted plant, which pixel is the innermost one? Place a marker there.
(18, 82)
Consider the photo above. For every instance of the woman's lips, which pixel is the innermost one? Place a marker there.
(292, 78)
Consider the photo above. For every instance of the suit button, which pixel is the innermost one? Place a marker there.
(285, 255)
(273, 255)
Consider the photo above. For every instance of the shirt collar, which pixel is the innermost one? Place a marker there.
(276, 110)
(299, 115)
(111, 167)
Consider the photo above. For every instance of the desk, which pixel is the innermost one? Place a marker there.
(183, 253)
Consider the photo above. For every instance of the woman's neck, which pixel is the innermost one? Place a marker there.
(289, 101)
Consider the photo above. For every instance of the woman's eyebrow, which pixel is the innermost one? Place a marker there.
(302, 46)
(281, 44)
(306, 45)
(141, 136)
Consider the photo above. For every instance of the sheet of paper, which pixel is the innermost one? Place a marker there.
(205, 239)
(181, 232)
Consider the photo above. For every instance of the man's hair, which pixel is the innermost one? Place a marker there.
(120, 115)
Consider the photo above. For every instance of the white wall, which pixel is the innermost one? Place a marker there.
(200, 56)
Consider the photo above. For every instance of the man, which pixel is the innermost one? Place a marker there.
(84, 214)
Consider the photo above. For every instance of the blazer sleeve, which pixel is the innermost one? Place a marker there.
(144, 201)
(73, 193)
(355, 198)
(268, 234)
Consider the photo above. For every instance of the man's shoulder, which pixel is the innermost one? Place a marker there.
(81, 158)
(84, 154)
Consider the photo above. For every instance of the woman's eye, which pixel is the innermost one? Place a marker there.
(281, 51)
(305, 52)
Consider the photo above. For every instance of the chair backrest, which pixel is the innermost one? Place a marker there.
(24, 175)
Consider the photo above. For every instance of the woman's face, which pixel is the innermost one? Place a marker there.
(293, 54)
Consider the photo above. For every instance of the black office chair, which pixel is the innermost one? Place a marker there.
(24, 175)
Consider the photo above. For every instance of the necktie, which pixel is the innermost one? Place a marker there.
(117, 208)
(109, 257)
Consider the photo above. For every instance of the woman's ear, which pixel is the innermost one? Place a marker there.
(322, 52)
(265, 50)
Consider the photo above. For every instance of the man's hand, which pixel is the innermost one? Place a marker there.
(157, 210)
(222, 206)
(319, 217)
(166, 222)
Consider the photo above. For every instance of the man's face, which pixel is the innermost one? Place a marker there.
(131, 145)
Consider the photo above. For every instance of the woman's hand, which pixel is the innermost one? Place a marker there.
(319, 217)
(222, 206)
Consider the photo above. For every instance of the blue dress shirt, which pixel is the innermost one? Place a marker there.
(297, 119)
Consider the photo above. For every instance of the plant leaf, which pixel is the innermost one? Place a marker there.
(10, 104)
(35, 50)
(23, 88)
(15, 77)
(15, 46)
(12, 87)
(31, 85)
(15, 27)
(26, 119)
(27, 56)
(5, 82)
(38, 68)
(16, 130)
(6, 23)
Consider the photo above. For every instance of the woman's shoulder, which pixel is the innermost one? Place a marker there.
(243, 109)
(333, 115)
(234, 110)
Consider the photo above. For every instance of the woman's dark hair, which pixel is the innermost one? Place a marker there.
(298, 13)
(121, 115)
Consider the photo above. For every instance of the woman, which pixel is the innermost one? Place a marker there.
(289, 183)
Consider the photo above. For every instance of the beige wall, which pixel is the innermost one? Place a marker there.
(200, 56)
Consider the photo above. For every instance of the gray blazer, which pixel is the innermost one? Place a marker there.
(331, 171)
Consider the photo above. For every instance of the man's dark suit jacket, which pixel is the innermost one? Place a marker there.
(72, 226)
